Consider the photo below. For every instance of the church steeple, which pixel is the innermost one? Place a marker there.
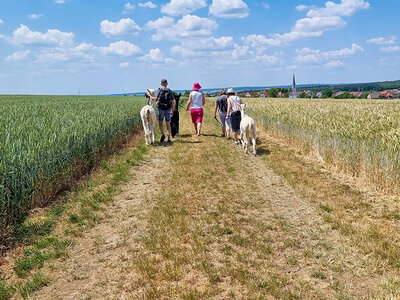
(294, 84)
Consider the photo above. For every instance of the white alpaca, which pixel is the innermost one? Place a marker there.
(148, 115)
(247, 127)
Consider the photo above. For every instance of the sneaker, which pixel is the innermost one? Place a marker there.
(169, 141)
(236, 143)
(162, 138)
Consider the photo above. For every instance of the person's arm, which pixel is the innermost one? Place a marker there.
(151, 97)
(229, 109)
(215, 109)
(203, 100)
(173, 107)
(173, 103)
(155, 97)
(189, 102)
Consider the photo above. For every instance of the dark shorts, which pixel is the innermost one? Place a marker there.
(235, 121)
(164, 114)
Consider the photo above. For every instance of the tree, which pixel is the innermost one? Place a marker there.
(186, 94)
(327, 93)
(273, 92)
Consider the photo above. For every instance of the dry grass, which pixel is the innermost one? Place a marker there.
(366, 218)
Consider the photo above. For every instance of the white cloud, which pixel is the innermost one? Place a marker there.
(383, 41)
(147, 4)
(266, 5)
(189, 26)
(344, 8)
(1, 21)
(202, 47)
(123, 27)
(155, 56)
(334, 64)
(18, 56)
(229, 9)
(35, 16)
(261, 42)
(209, 44)
(318, 24)
(124, 65)
(267, 60)
(59, 1)
(307, 55)
(121, 48)
(24, 36)
(303, 7)
(182, 7)
(129, 6)
(82, 52)
(390, 49)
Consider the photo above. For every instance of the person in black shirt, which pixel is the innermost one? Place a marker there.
(166, 104)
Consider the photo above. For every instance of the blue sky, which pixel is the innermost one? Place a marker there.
(100, 47)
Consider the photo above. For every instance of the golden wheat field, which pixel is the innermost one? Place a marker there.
(359, 136)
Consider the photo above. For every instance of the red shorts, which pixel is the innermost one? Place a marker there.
(197, 115)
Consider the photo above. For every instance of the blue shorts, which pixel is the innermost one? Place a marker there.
(164, 113)
(224, 123)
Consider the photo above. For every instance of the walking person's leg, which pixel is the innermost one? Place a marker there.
(194, 116)
(235, 120)
(223, 123)
(168, 124)
(161, 116)
(199, 121)
(199, 128)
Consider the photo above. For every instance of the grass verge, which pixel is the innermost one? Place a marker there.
(49, 234)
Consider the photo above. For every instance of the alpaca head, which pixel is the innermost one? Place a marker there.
(243, 108)
(150, 92)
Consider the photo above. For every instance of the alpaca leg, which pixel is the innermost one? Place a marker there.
(254, 143)
(146, 136)
(152, 136)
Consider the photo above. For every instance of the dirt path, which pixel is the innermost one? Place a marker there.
(202, 220)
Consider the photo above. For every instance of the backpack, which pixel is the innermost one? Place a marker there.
(164, 99)
(223, 104)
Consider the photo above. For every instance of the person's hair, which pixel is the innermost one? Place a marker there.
(223, 92)
(231, 93)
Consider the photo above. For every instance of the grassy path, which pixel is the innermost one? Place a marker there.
(202, 220)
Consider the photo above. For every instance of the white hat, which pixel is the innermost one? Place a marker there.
(230, 91)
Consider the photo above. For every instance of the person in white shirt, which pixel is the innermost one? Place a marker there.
(233, 113)
(195, 103)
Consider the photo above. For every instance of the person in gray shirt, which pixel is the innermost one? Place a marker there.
(221, 105)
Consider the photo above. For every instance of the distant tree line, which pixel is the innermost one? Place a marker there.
(363, 87)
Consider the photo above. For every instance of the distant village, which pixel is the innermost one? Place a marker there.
(317, 92)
